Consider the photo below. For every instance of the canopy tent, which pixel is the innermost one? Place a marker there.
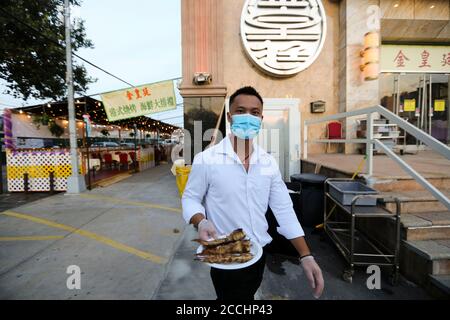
(96, 111)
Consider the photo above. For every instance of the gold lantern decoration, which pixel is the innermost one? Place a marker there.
(370, 56)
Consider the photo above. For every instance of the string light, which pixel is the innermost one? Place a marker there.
(142, 122)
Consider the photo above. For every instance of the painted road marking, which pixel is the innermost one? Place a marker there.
(117, 245)
(133, 203)
(31, 238)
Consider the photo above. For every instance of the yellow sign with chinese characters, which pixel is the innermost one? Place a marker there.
(439, 105)
(139, 101)
(410, 105)
(415, 58)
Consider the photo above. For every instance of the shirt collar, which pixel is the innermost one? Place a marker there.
(225, 147)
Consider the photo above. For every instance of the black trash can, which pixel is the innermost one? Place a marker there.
(311, 198)
(280, 244)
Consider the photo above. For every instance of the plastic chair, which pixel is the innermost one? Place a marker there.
(123, 157)
(107, 157)
(133, 158)
(334, 132)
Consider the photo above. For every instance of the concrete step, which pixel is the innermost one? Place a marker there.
(439, 286)
(393, 183)
(416, 201)
(436, 254)
(426, 263)
(426, 226)
(414, 227)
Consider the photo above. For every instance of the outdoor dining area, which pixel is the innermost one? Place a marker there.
(38, 151)
(110, 159)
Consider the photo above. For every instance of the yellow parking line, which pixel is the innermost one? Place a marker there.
(31, 238)
(117, 245)
(133, 203)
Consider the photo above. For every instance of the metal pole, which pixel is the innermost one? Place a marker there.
(422, 109)
(75, 183)
(52, 182)
(369, 144)
(135, 149)
(26, 183)
(430, 105)
(419, 119)
(397, 94)
(87, 147)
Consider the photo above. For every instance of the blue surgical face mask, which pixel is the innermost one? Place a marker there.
(245, 126)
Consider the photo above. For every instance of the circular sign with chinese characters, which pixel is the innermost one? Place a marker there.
(283, 37)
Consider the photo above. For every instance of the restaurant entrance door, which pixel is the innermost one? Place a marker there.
(421, 99)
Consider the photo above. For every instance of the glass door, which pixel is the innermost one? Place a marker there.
(421, 99)
(438, 114)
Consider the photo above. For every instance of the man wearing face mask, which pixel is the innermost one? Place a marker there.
(230, 186)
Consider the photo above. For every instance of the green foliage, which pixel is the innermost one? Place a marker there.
(55, 129)
(105, 132)
(31, 64)
(39, 120)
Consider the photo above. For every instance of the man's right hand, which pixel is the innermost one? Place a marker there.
(206, 230)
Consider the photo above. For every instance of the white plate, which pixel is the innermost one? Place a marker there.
(255, 249)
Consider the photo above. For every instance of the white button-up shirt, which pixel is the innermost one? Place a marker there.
(220, 188)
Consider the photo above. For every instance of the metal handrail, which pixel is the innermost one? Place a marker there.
(427, 139)
(413, 173)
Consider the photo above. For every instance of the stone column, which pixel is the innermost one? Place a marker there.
(448, 112)
(354, 92)
(202, 52)
(202, 46)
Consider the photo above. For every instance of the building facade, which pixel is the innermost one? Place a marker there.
(310, 58)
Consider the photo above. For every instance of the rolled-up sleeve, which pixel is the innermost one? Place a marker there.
(195, 190)
(281, 204)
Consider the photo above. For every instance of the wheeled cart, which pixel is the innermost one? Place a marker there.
(358, 248)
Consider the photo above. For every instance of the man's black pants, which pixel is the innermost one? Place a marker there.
(239, 284)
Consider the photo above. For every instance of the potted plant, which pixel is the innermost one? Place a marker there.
(55, 129)
(39, 120)
(45, 119)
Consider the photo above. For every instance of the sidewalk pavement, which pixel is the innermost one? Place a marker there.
(121, 237)
(130, 242)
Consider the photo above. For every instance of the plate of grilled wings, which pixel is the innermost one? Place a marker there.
(229, 252)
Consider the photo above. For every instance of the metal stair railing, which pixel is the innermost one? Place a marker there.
(427, 139)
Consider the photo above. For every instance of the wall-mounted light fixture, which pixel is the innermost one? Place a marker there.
(201, 78)
(370, 56)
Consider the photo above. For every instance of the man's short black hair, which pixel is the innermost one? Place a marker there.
(249, 91)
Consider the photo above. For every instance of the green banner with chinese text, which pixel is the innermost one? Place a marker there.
(139, 101)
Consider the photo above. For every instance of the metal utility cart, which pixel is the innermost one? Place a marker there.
(341, 226)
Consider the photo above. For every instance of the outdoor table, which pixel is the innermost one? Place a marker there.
(115, 157)
(93, 163)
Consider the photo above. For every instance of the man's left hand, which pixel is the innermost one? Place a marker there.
(314, 275)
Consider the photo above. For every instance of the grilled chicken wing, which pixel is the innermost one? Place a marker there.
(240, 246)
(226, 258)
(236, 235)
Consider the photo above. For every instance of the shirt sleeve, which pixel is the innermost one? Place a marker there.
(195, 190)
(281, 204)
